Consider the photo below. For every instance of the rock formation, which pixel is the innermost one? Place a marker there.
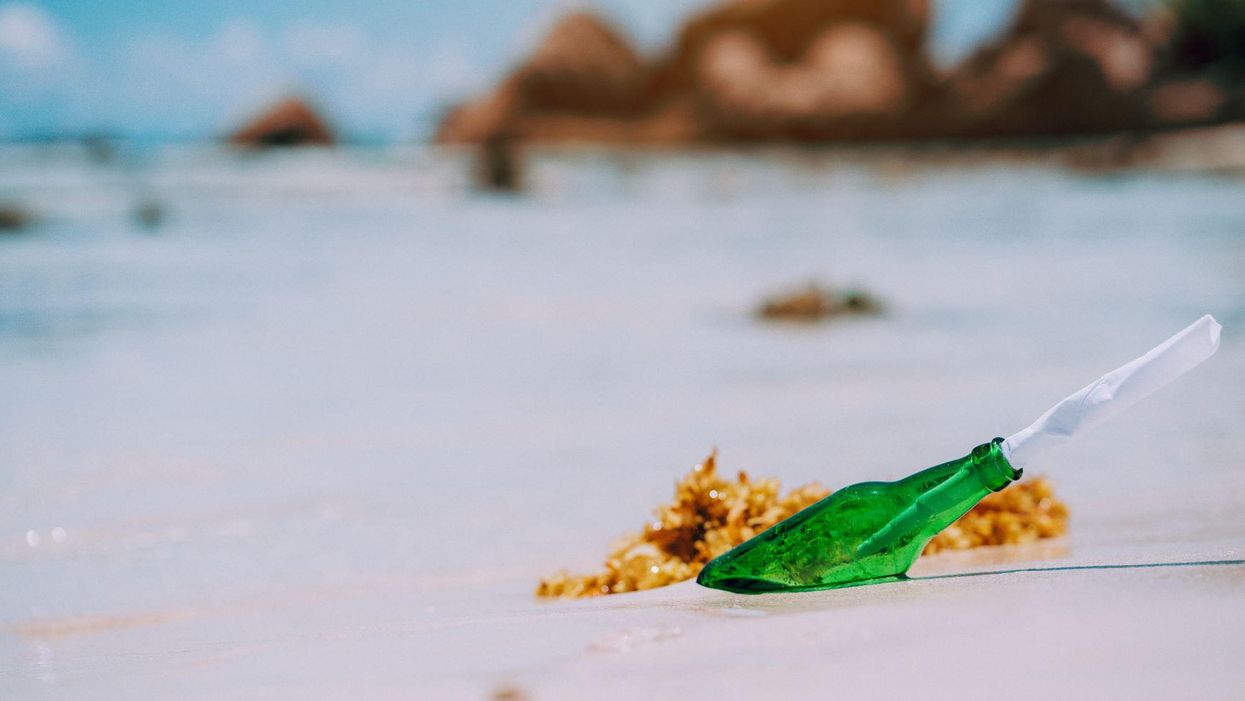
(851, 81)
(828, 70)
(1202, 59)
(788, 28)
(747, 69)
(1063, 67)
(1186, 101)
(290, 122)
(583, 78)
(584, 66)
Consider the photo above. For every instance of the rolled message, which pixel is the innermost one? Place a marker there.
(1115, 391)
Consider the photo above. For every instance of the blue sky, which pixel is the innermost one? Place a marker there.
(380, 68)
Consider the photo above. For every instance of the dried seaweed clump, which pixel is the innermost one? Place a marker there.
(814, 303)
(1022, 513)
(710, 515)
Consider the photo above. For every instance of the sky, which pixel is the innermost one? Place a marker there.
(379, 69)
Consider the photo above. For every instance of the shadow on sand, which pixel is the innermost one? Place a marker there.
(1070, 568)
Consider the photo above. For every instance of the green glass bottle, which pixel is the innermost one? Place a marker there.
(868, 532)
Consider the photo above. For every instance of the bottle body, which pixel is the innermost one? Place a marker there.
(867, 532)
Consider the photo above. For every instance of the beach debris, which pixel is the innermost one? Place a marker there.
(290, 122)
(816, 302)
(712, 514)
(149, 214)
(498, 168)
(100, 147)
(509, 692)
(14, 218)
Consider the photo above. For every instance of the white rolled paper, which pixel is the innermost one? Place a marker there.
(1116, 391)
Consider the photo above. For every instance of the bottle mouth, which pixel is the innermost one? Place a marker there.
(997, 470)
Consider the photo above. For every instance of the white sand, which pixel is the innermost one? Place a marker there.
(319, 437)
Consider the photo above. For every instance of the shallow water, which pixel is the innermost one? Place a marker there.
(323, 427)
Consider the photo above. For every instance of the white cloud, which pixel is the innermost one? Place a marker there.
(153, 80)
(452, 70)
(168, 82)
(309, 45)
(30, 38)
(239, 41)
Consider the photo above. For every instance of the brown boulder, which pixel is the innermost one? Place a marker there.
(787, 28)
(478, 120)
(290, 122)
(583, 65)
(1187, 101)
(1124, 55)
(851, 82)
(1202, 61)
(1063, 67)
(583, 70)
(1208, 35)
(804, 69)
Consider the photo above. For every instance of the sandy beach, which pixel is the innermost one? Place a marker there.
(321, 435)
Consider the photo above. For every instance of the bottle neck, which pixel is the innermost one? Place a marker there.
(970, 478)
(990, 466)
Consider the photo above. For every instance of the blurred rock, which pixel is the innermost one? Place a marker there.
(788, 28)
(583, 77)
(832, 70)
(583, 66)
(1063, 67)
(476, 121)
(1208, 35)
(1203, 62)
(1124, 56)
(1158, 25)
(1191, 101)
(851, 82)
(290, 122)
(815, 303)
(14, 218)
(745, 69)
